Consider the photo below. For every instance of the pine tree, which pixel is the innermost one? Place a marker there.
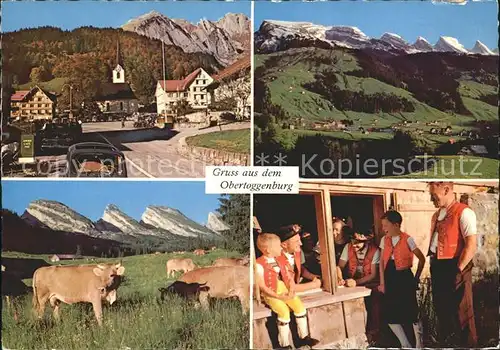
(235, 212)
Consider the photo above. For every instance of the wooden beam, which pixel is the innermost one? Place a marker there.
(322, 238)
(330, 244)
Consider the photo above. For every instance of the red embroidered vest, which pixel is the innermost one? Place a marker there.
(352, 262)
(403, 256)
(450, 240)
(271, 277)
(298, 264)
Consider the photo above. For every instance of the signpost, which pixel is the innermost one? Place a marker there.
(27, 149)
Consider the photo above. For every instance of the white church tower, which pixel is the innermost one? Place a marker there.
(118, 72)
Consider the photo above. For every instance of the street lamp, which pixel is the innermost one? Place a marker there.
(70, 99)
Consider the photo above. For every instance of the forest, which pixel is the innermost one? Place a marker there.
(85, 58)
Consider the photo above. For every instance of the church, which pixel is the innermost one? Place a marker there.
(117, 96)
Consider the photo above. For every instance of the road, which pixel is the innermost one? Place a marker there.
(160, 158)
(150, 153)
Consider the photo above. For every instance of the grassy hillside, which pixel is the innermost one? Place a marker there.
(377, 95)
(286, 73)
(137, 320)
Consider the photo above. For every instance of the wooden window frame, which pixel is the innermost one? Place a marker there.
(322, 193)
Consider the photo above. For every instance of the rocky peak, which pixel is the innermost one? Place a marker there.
(215, 223)
(223, 39)
(175, 222)
(422, 44)
(117, 218)
(58, 216)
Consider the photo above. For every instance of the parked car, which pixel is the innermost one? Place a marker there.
(59, 135)
(95, 159)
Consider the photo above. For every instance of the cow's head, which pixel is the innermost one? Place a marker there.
(184, 289)
(110, 274)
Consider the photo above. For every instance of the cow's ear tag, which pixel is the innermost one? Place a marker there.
(97, 271)
(120, 271)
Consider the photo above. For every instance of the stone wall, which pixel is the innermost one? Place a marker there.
(214, 156)
(485, 205)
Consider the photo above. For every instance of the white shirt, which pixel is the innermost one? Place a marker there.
(272, 262)
(411, 243)
(467, 225)
(361, 256)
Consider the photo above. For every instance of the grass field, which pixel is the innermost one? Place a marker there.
(231, 140)
(138, 319)
(55, 85)
(459, 167)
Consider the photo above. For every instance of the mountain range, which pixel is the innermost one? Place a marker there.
(227, 39)
(280, 35)
(160, 227)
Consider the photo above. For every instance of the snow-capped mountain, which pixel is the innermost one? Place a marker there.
(281, 35)
(422, 45)
(226, 39)
(449, 44)
(397, 42)
(481, 49)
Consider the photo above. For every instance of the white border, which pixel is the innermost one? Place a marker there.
(252, 75)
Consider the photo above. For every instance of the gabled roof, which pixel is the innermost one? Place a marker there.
(241, 64)
(179, 85)
(115, 91)
(21, 95)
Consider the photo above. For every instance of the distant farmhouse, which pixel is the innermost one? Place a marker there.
(192, 89)
(117, 96)
(34, 104)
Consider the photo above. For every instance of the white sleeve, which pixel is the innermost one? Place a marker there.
(260, 270)
(468, 222)
(376, 257)
(345, 256)
(411, 244)
(381, 246)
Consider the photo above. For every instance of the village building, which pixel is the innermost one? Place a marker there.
(336, 315)
(332, 125)
(233, 82)
(192, 89)
(33, 104)
(117, 96)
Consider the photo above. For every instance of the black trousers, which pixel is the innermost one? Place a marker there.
(452, 299)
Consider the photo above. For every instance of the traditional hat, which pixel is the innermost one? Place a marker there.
(286, 232)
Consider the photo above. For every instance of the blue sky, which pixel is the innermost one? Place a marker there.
(89, 198)
(74, 14)
(410, 19)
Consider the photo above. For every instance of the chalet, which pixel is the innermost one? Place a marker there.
(33, 104)
(117, 96)
(192, 89)
(336, 314)
(233, 82)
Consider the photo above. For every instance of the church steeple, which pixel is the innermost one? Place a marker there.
(118, 72)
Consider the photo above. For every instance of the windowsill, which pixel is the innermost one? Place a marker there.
(315, 298)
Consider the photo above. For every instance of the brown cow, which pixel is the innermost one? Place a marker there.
(179, 264)
(245, 261)
(199, 252)
(223, 282)
(73, 284)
